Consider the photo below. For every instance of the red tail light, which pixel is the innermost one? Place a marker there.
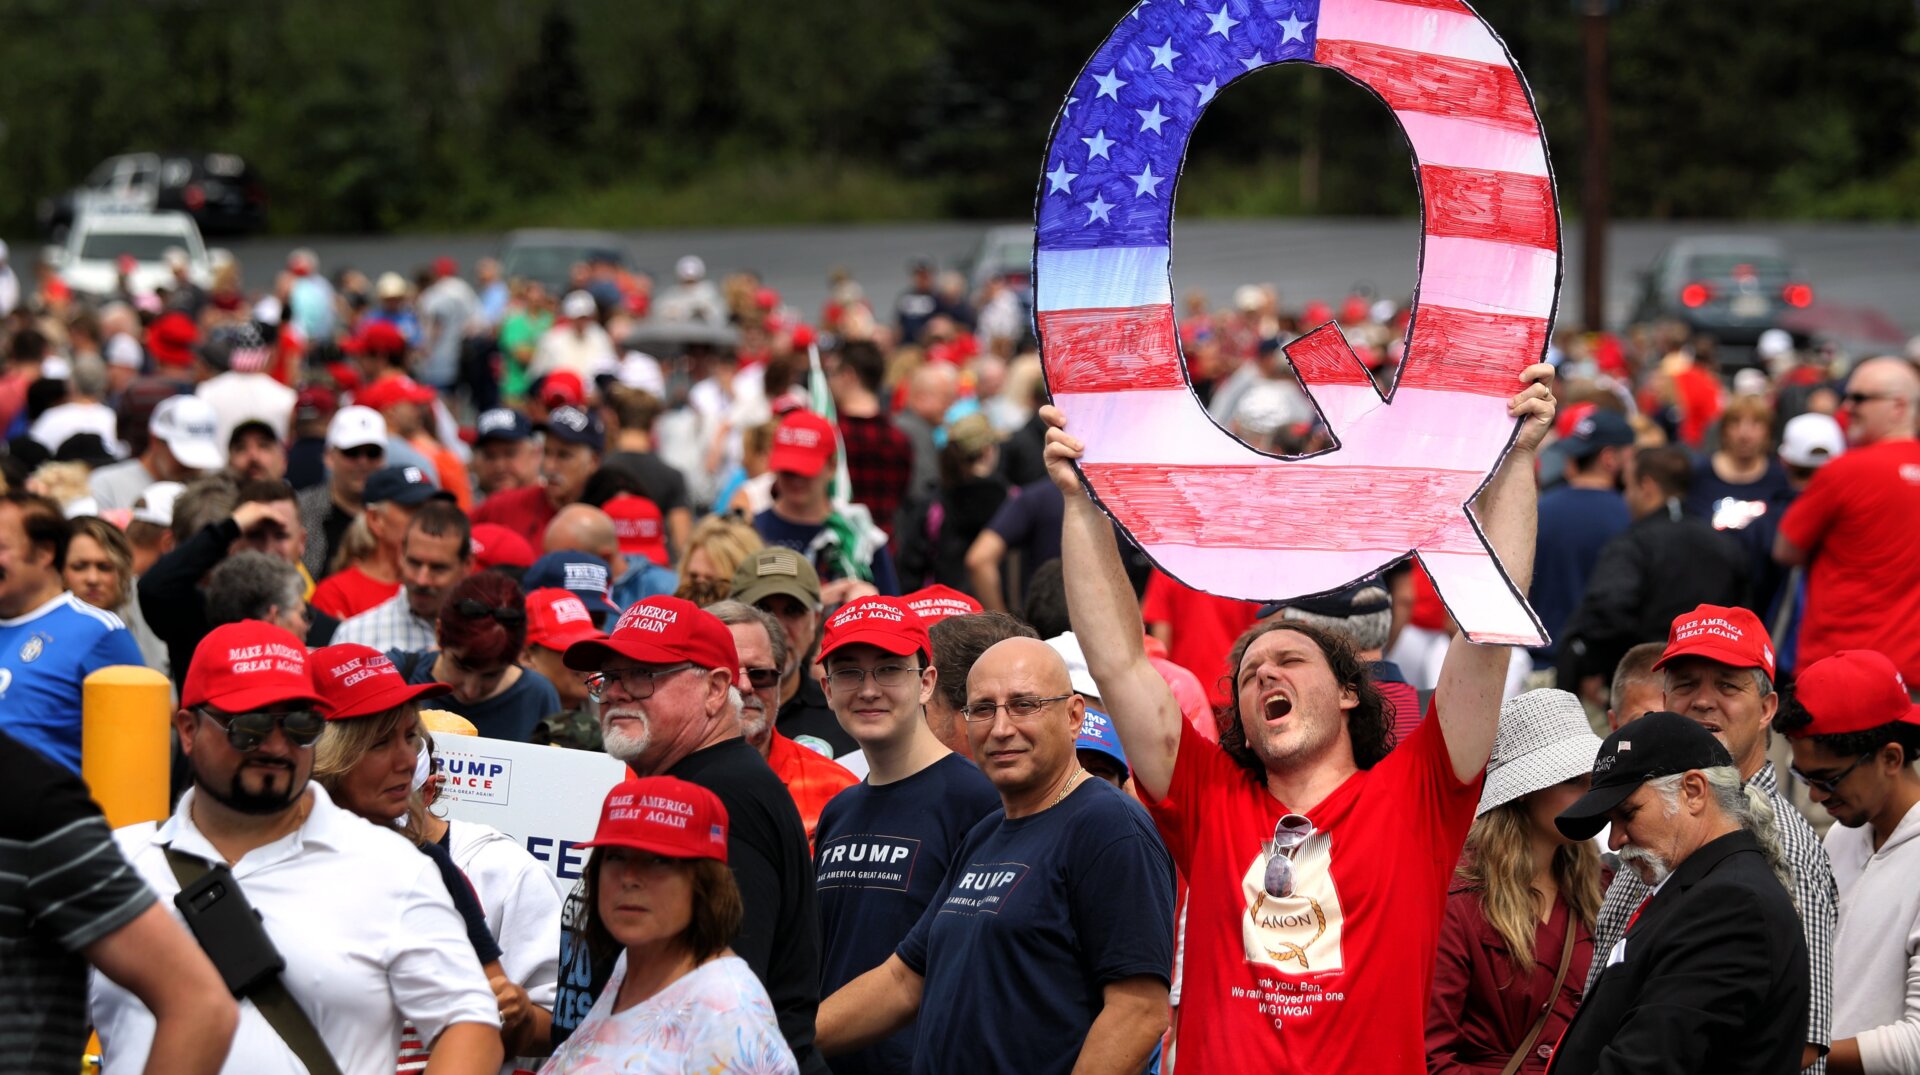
(1696, 295)
(196, 198)
(1800, 295)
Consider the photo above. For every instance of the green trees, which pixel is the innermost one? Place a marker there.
(363, 115)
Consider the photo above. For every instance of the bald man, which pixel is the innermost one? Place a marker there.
(585, 528)
(1048, 947)
(931, 390)
(1853, 528)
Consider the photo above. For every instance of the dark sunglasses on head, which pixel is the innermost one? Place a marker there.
(246, 731)
(366, 453)
(505, 617)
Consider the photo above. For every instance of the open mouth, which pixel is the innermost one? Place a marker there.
(1276, 706)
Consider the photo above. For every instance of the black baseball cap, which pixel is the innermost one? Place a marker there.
(1595, 430)
(576, 426)
(1656, 745)
(402, 485)
(1339, 604)
(501, 423)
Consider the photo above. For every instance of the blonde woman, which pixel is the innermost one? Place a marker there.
(1517, 937)
(372, 761)
(99, 568)
(717, 547)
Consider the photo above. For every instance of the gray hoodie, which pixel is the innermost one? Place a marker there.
(1876, 951)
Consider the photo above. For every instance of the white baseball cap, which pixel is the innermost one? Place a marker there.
(190, 430)
(356, 427)
(156, 504)
(1774, 343)
(1811, 440)
(578, 304)
(391, 285)
(690, 267)
(1078, 674)
(124, 352)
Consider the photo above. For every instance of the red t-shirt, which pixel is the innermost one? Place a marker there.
(1204, 628)
(524, 511)
(810, 776)
(1857, 520)
(350, 591)
(1331, 979)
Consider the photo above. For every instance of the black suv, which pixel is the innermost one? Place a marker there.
(218, 190)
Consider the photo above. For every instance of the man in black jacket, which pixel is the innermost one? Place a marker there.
(216, 516)
(1712, 974)
(1665, 564)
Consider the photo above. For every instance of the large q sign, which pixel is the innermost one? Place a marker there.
(1210, 510)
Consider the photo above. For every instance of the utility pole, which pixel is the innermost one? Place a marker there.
(1594, 188)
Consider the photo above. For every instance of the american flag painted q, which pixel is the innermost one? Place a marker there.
(1206, 507)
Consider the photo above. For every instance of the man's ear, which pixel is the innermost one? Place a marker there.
(929, 682)
(183, 721)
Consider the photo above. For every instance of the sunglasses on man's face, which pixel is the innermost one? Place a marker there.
(762, 678)
(246, 731)
(366, 453)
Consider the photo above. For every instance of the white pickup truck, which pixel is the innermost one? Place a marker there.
(89, 262)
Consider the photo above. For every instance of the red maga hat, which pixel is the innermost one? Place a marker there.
(557, 618)
(802, 445)
(381, 338)
(359, 681)
(661, 630)
(496, 546)
(1731, 636)
(937, 602)
(884, 622)
(665, 815)
(1852, 691)
(637, 522)
(392, 389)
(244, 666)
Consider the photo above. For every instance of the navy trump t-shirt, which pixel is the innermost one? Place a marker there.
(880, 854)
(1036, 917)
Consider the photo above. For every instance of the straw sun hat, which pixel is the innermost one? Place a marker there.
(1544, 739)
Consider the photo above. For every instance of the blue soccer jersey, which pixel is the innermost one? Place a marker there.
(44, 657)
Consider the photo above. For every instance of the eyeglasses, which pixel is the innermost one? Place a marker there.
(762, 678)
(1854, 399)
(639, 683)
(366, 453)
(1018, 708)
(847, 680)
(1289, 833)
(1828, 784)
(505, 617)
(246, 731)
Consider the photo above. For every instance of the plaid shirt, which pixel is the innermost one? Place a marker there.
(1814, 893)
(387, 626)
(880, 463)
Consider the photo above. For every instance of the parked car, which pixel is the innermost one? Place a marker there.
(1732, 288)
(1005, 252)
(218, 190)
(548, 255)
(89, 262)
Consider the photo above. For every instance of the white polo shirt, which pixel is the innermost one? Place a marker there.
(366, 927)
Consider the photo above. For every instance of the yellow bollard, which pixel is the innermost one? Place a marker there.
(126, 742)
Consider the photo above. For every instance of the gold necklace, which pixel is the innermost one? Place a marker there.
(1071, 781)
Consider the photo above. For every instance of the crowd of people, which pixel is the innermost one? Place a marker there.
(928, 768)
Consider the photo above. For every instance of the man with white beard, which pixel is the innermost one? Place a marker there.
(811, 777)
(664, 678)
(1712, 972)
